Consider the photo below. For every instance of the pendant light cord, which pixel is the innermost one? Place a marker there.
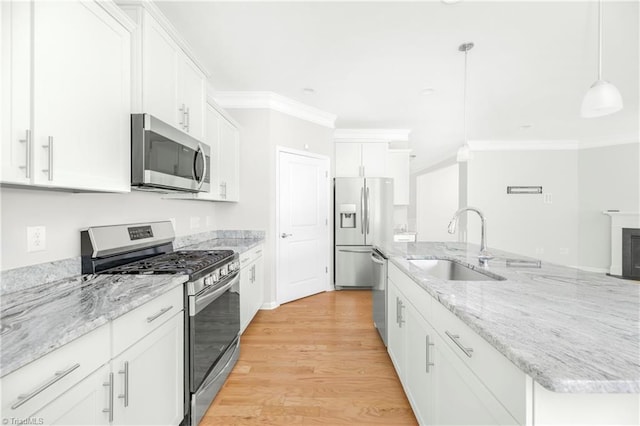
(599, 40)
(464, 103)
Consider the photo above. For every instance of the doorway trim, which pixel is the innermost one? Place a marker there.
(276, 225)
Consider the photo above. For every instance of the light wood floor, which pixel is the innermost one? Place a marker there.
(318, 360)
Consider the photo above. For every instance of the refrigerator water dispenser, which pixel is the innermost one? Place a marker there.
(347, 215)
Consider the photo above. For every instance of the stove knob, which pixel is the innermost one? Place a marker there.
(215, 276)
(209, 280)
(224, 271)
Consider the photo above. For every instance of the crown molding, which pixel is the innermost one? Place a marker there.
(371, 135)
(157, 14)
(531, 145)
(275, 102)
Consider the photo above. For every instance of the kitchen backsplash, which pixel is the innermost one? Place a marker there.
(33, 275)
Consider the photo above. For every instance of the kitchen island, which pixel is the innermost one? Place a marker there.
(574, 336)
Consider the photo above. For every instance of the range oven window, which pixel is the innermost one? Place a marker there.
(213, 328)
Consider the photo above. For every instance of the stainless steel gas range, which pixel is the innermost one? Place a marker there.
(212, 299)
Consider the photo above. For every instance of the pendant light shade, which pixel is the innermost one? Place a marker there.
(464, 152)
(603, 98)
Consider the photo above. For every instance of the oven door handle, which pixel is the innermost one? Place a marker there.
(202, 301)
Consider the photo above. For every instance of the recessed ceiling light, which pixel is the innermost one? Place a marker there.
(308, 91)
(427, 91)
(526, 126)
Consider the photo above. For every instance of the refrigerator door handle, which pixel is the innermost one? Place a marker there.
(368, 209)
(355, 251)
(362, 211)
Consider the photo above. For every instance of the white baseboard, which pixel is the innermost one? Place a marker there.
(269, 305)
(590, 269)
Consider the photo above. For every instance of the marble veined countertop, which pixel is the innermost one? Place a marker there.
(40, 319)
(571, 331)
(37, 319)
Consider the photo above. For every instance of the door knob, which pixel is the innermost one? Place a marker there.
(283, 235)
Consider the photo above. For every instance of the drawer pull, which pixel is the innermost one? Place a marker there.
(109, 409)
(456, 339)
(162, 311)
(125, 395)
(427, 356)
(57, 377)
(258, 252)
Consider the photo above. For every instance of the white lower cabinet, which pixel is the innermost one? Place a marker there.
(148, 384)
(441, 388)
(94, 380)
(84, 404)
(452, 376)
(251, 285)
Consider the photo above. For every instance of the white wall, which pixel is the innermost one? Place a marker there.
(524, 224)
(436, 201)
(609, 179)
(65, 214)
(262, 131)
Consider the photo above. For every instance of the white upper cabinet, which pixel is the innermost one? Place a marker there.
(69, 113)
(160, 75)
(355, 159)
(229, 161)
(192, 85)
(398, 169)
(374, 159)
(168, 82)
(223, 136)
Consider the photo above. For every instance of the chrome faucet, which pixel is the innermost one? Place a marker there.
(484, 255)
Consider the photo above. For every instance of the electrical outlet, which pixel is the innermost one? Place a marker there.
(548, 198)
(36, 238)
(195, 222)
(539, 250)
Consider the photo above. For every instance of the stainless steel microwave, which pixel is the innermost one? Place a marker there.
(164, 158)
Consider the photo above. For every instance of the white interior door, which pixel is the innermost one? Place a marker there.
(303, 226)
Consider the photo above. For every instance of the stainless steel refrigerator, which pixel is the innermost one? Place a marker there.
(363, 217)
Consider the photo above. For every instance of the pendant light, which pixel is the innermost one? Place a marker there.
(464, 152)
(603, 98)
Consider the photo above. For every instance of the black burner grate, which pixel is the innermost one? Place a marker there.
(178, 262)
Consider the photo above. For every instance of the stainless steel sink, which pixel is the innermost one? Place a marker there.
(452, 271)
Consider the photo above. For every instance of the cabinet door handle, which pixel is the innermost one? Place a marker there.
(125, 395)
(27, 164)
(49, 146)
(427, 356)
(182, 121)
(401, 315)
(109, 409)
(58, 375)
(456, 339)
(253, 274)
(161, 312)
(397, 310)
(187, 120)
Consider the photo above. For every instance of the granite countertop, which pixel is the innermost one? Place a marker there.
(571, 331)
(239, 245)
(36, 320)
(40, 319)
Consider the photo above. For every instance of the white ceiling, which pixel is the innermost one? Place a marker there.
(368, 62)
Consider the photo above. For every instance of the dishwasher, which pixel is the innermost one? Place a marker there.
(379, 292)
